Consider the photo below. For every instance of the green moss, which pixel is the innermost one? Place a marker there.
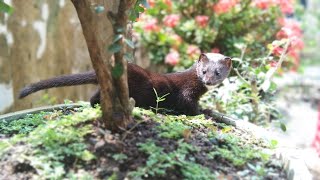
(173, 130)
(53, 143)
(236, 151)
(119, 157)
(159, 162)
(229, 146)
(24, 125)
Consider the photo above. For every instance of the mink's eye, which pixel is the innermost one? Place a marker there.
(217, 73)
(204, 71)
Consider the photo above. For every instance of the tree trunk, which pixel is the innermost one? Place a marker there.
(98, 29)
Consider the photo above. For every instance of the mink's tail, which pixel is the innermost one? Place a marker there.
(65, 80)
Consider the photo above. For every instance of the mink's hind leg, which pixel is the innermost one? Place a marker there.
(95, 99)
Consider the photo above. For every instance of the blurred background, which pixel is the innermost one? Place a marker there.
(274, 44)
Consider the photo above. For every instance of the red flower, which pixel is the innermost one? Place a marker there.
(284, 33)
(296, 59)
(286, 6)
(177, 40)
(193, 50)
(273, 63)
(171, 20)
(297, 43)
(168, 3)
(151, 25)
(293, 25)
(277, 51)
(224, 6)
(263, 4)
(151, 3)
(172, 58)
(202, 21)
(291, 30)
(215, 50)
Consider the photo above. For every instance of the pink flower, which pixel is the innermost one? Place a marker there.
(215, 50)
(277, 51)
(151, 3)
(202, 21)
(293, 25)
(284, 33)
(224, 6)
(168, 3)
(297, 43)
(193, 50)
(291, 30)
(286, 6)
(263, 4)
(177, 40)
(294, 55)
(151, 25)
(273, 63)
(296, 59)
(172, 58)
(171, 20)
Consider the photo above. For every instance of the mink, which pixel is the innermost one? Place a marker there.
(184, 88)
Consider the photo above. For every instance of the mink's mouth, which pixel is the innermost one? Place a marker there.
(214, 83)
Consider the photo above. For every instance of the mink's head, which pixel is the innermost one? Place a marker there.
(213, 68)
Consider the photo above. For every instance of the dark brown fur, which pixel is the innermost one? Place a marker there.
(184, 88)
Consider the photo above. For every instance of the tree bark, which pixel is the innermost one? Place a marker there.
(98, 30)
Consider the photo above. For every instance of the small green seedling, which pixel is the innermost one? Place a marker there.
(159, 99)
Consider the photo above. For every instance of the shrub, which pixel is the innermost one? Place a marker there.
(175, 32)
(256, 33)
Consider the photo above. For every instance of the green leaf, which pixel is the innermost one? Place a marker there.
(117, 38)
(283, 127)
(160, 100)
(120, 30)
(114, 48)
(117, 70)
(129, 43)
(5, 8)
(139, 9)
(128, 56)
(273, 143)
(87, 155)
(133, 17)
(273, 87)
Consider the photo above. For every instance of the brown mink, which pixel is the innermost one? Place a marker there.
(184, 88)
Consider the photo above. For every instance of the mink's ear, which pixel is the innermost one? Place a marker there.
(203, 58)
(227, 61)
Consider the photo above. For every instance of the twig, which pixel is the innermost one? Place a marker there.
(282, 57)
(133, 127)
(242, 78)
(243, 51)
